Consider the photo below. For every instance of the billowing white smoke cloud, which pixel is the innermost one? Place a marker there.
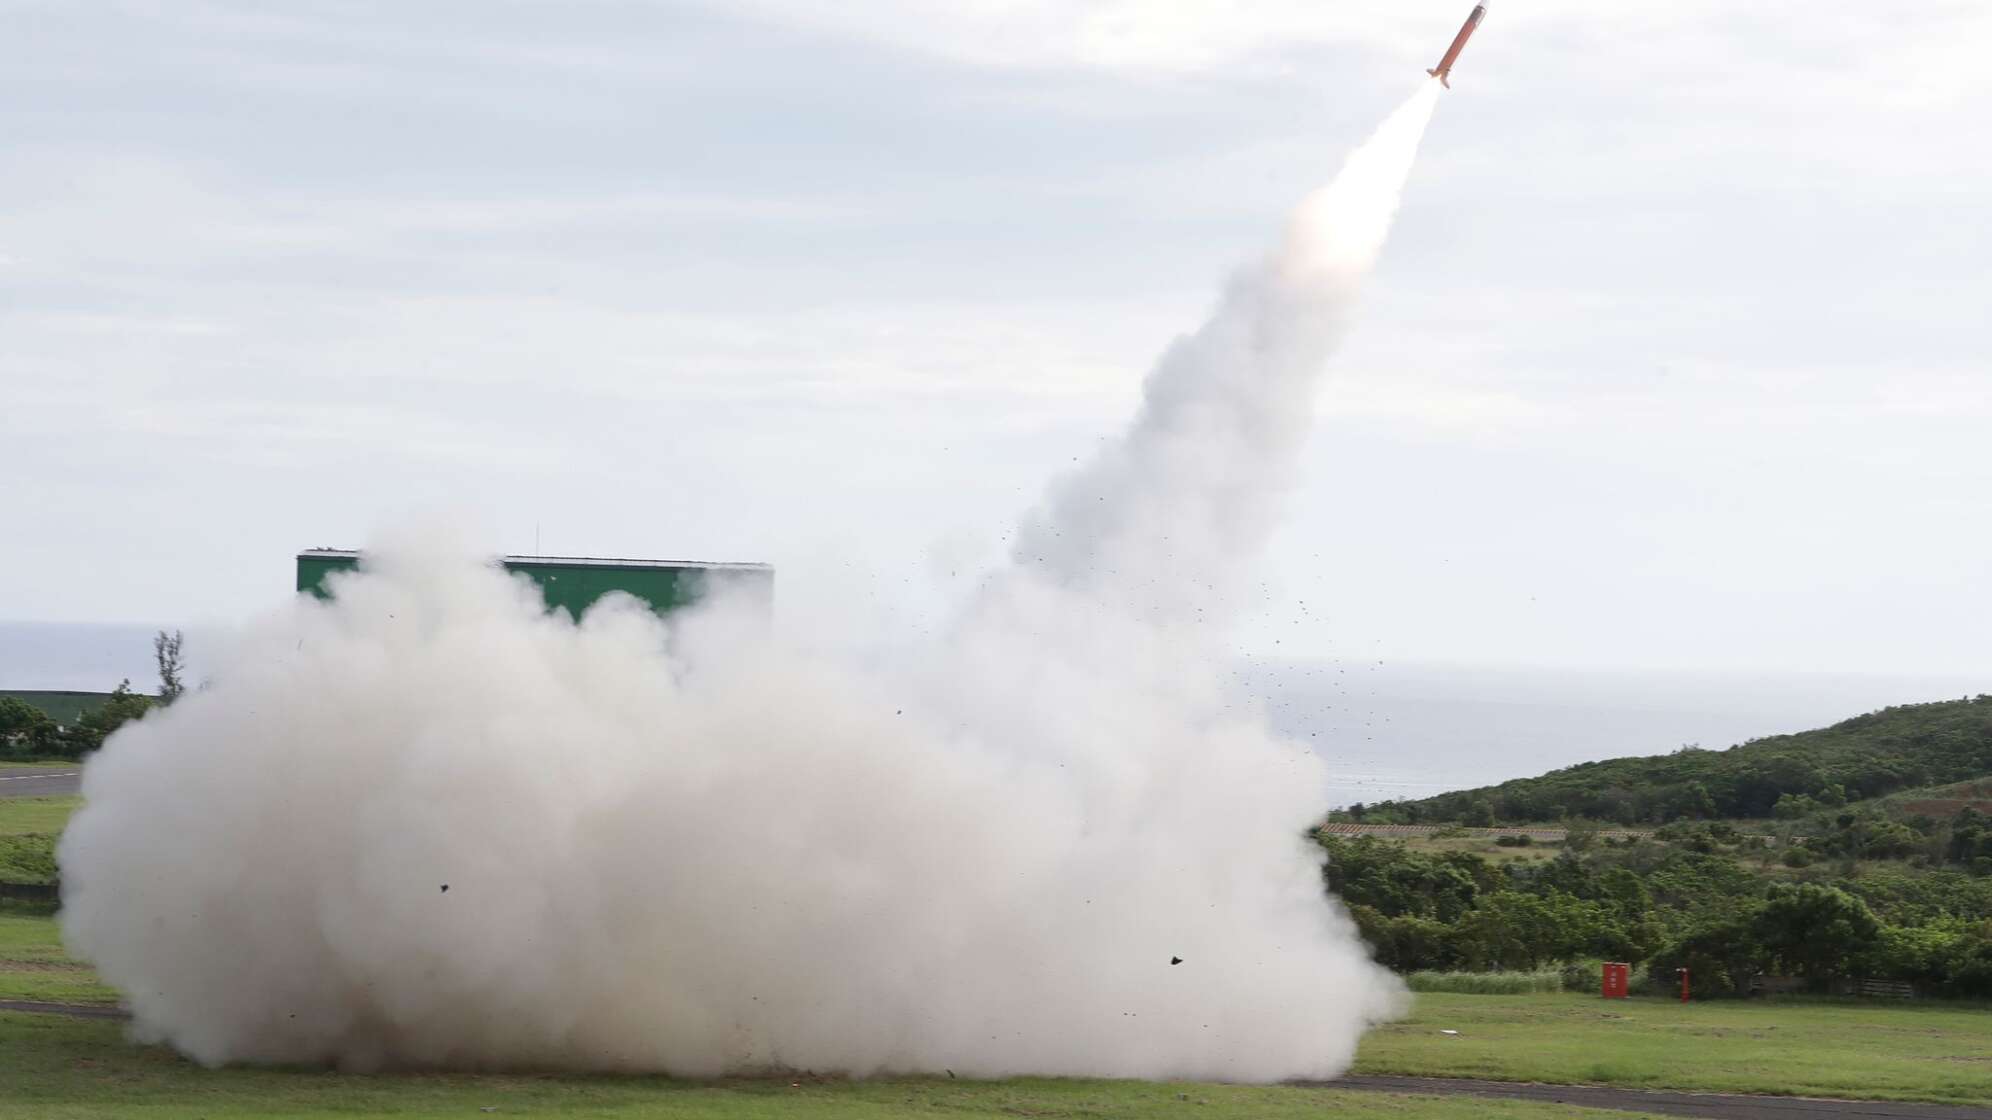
(427, 824)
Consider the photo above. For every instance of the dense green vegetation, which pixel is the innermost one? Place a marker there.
(1856, 852)
(1711, 899)
(1785, 776)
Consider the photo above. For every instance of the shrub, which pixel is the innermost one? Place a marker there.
(1797, 857)
(1488, 983)
(1514, 841)
(1583, 976)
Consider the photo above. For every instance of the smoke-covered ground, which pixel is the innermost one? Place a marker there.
(427, 824)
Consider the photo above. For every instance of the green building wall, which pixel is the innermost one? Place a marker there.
(574, 583)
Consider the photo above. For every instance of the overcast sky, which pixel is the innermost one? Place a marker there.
(1679, 357)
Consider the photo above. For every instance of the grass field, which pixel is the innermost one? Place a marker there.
(54, 1068)
(62, 1068)
(34, 967)
(1803, 1047)
(1799, 1047)
(1485, 847)
(21, 816)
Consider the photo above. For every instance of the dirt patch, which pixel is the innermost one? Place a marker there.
(1946, 806)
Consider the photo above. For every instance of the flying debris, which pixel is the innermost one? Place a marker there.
(1443, 71)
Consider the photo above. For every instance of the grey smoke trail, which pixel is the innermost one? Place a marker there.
(727, 856)
(1186, 499)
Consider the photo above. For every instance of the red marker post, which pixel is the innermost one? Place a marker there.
(1684, 984)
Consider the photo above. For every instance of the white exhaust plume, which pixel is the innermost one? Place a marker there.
(427, 824)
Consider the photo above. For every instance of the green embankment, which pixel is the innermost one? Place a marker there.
(29, 827)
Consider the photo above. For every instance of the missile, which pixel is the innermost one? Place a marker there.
(1443, 71)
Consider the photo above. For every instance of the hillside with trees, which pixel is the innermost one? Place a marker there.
(1784, 776)
(1858, 852)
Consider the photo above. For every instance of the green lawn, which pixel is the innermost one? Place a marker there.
(28, 830)
(1901, 1051)
(54, 1068)
(20, 816)
(33, 965)
(1908, 1051)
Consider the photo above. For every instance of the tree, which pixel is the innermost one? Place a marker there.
(1792, 806)
(25, 727)
(1406, 943)
(1698, 803)
(1968, 836)
(1511, 929)
(1394, 881)
(1580, 835)
(166, 651)
(1814, 931)
(97, 724)
(1479, 814)
(1720, 956)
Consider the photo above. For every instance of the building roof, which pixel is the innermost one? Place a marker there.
(568, 561)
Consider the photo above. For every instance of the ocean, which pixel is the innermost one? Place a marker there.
(1386, 730)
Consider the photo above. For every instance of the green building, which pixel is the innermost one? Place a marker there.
(573, 583)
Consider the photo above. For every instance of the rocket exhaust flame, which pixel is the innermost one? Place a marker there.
(732, 856)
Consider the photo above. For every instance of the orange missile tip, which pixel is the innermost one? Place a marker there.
(1443, 71)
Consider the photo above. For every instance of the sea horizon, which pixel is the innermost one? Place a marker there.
(1385, 730)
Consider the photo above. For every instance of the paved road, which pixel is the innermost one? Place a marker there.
(1710, 1106)
(29, 781)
